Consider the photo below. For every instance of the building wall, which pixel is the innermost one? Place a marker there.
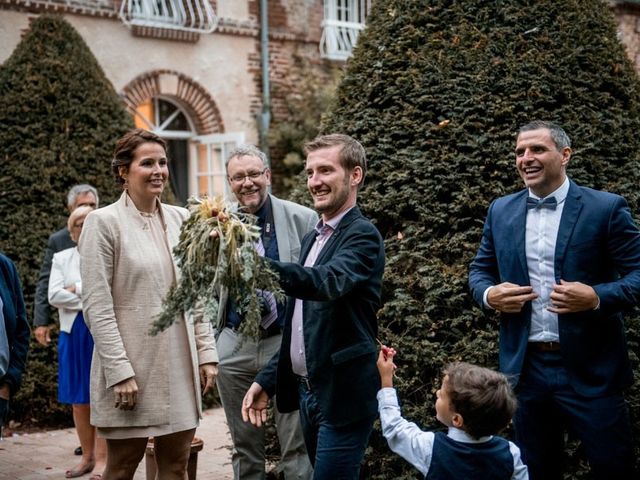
(628, 19)
(226, 63)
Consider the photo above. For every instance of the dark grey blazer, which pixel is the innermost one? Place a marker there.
(58, 241)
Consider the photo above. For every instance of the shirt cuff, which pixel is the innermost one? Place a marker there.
(484, 298)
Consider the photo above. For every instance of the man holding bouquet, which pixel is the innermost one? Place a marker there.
(326, 366)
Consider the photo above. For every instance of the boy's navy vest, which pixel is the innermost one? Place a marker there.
(453, 460)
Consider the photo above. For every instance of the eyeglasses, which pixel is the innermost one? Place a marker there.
(251, 176)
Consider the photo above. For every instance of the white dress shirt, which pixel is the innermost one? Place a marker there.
(65, 271)
(297, 350)
(540, 246)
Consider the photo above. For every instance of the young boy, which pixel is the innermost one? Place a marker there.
(475, 403)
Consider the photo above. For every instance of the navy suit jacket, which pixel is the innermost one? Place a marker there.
(598, 244)
(342, 294)
(15, 318)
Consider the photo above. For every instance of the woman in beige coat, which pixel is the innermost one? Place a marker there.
(141, 385)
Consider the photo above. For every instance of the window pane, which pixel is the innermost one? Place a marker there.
(203, 186)
(203, 166)
(164, 110)
(144, 115)
(218, 185)
(179, 123)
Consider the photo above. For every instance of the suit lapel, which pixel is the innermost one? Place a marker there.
(310, 238)
(518, 230)
(280, 225)
(344, 223)
(305, 246)
(570, 213)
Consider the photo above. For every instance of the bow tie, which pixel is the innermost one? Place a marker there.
(549, 202)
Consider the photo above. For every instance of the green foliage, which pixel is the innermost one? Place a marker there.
(435, 91)
(228, 260)
(311, 97)
(60, 119)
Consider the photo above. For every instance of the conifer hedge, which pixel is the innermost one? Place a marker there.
(436, 90)
(60, 119)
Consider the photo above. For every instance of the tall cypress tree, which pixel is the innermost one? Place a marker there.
(436, 90)
(60, 118)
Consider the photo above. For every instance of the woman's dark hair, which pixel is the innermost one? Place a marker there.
(126, 147)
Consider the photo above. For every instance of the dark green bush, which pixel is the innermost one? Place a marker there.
(314, 89)
(60, 119)
(435, 91)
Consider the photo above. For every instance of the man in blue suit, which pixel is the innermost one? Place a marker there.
(561, 262)
(326, 366)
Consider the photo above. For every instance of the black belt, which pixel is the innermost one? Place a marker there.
(545, 346)
(304, 381)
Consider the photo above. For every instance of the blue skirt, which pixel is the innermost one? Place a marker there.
(74, 363)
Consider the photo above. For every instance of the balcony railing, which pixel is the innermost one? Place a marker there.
(343, 21)
(196, 16)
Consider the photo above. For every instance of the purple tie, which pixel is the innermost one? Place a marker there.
(270, 317)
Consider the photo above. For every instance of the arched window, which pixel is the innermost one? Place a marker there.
(168, 120)
(196, 162)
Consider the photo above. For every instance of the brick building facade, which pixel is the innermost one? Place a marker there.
(196, 77)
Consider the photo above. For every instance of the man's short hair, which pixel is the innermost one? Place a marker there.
(483, 398)
(247, 150)
(558, 135)
(79, 190)
(352, 153)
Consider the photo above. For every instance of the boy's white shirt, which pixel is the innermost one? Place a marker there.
(416, 446)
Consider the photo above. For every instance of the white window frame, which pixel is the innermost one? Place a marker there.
(219, 141)
(158, 128)
(342, 24)
(185, 15)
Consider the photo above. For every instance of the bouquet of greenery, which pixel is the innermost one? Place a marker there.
(216, 250)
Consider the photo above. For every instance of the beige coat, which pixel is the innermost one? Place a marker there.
(120, 304)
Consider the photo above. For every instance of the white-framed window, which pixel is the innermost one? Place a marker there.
(207, 165)
(343, 21)
(186, 15)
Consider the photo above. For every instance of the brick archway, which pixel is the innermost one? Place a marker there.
(192, 96)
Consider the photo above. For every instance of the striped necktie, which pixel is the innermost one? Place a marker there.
(272, 315)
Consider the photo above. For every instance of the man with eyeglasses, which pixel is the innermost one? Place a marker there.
(78, 196)
(283, 225)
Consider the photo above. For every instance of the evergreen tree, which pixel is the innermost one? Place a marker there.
(436, 90)
(60, 119)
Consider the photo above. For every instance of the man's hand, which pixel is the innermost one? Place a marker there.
(571, 297)
(43, 335)
(254, 405)
(126, 394)
(208, 374)
(509, 297)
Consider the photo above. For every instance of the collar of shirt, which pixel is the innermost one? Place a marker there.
(332, 223)
(460, 435)
(560, 193)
